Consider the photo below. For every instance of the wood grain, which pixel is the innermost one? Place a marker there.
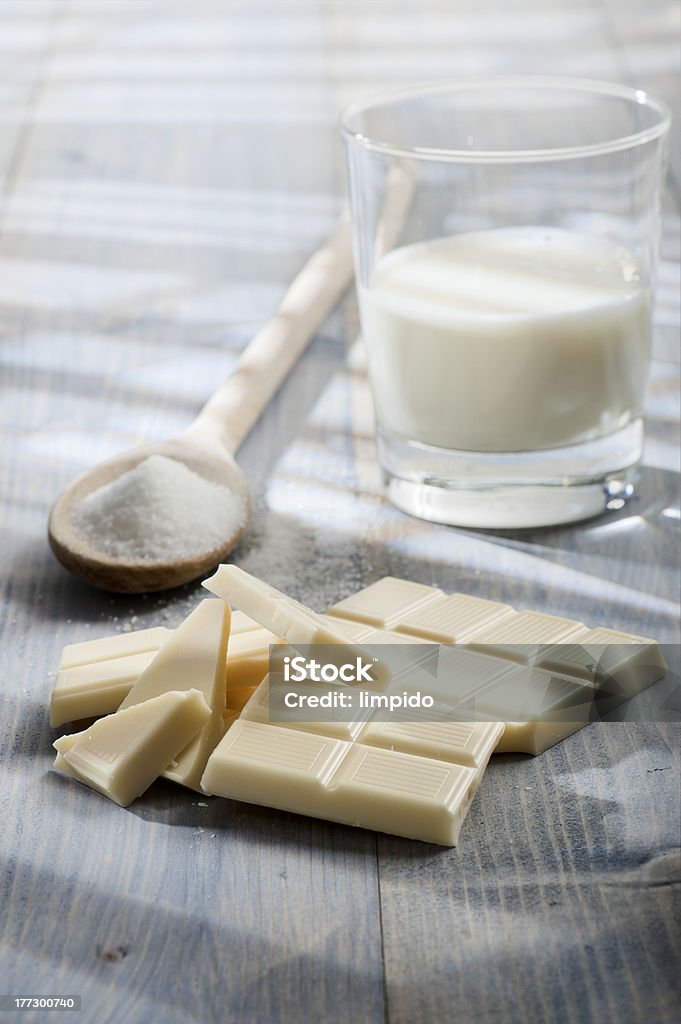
(167, 169)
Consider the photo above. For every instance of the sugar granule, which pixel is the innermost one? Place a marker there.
(158, 511)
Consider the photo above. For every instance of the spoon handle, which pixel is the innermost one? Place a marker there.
(232, 411)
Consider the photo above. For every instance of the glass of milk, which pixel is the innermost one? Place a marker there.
(505, 243)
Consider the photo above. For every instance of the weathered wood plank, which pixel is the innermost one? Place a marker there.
(560, 903)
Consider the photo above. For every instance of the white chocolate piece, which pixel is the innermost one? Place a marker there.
(384, 603)
(477, 689)
(416, 732)
(481, 688)
(625, 664)
(502, 639)
(286, 618)
(276, 767)
(518, 637)
(515, 737)
(385, 790)
(122, 754)
(404, 795)
(62, 745)
(195, 658)
(556, 705)
(570, 658)
(451, 620)
(98, 688)
(620, 664)
(534, 737)
(121, 645)
(248, 658)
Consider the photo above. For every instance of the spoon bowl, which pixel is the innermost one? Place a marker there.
(135, 576)
(208, 445)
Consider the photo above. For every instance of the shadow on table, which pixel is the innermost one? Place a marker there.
(179, 962)
(263, 825)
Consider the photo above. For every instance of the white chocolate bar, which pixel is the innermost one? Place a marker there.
(307, 773)
(195, 658)
(590, 657)
(410, 771)
(122, 754)
(594, 657)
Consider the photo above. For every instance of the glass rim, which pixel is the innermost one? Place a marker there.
(637, 97)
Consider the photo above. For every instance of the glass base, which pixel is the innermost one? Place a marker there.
(511, 490)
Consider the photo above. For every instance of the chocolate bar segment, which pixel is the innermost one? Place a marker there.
(195, 658)
(385, 603)
(122, 754)
(384, 790)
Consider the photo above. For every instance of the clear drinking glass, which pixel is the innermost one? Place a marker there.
(505, 244)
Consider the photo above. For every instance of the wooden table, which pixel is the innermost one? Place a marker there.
(167, 167)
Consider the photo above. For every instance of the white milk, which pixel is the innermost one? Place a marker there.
(507, 340)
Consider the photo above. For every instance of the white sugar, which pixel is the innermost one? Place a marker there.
(158, 511)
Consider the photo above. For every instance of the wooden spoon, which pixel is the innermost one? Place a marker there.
(207, 447)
